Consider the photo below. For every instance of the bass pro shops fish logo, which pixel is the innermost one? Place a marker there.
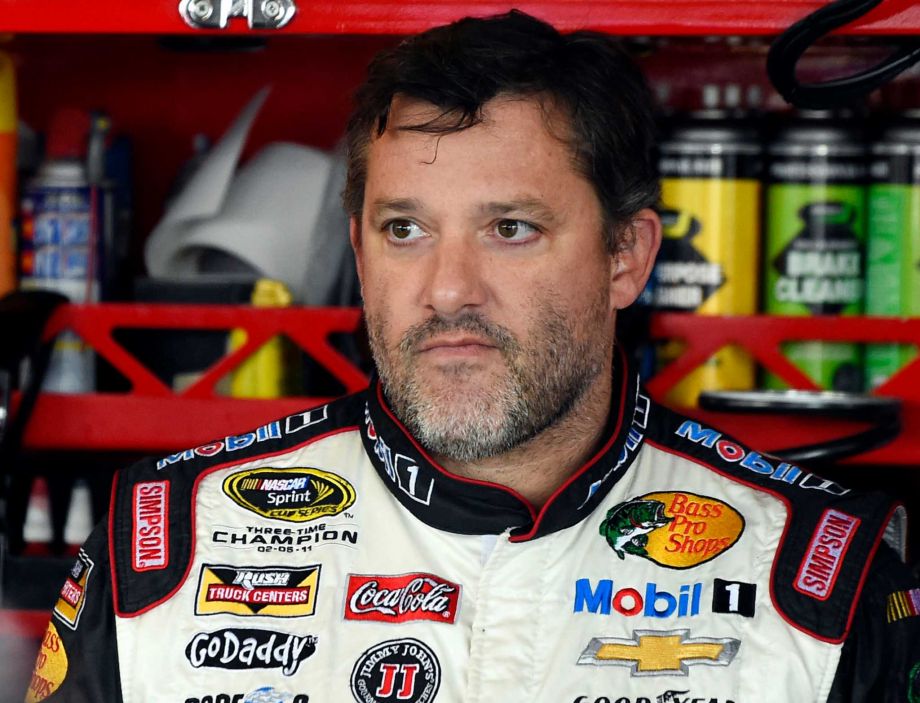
(627, 525)
(677, 530)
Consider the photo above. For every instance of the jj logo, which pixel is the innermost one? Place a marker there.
(406, 673)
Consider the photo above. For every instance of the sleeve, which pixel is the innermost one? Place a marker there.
(78, 658)
(880, 661)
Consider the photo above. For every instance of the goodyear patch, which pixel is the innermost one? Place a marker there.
(50, 667)
(70, 603)
(675, 529)
(292, 495)
(273, 591)
(903, 604)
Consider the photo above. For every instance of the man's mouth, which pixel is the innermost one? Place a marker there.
(460, 344)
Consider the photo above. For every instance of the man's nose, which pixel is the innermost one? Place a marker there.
(454, 276)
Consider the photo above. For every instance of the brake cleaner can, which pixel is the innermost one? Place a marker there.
(893, 268)
(710, 169)
(815, 240)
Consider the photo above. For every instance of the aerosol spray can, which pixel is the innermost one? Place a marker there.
(816, 237)
(708, 263)
(65, 214)
(893, 270)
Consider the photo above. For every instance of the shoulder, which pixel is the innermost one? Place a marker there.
(152, 507)
(831, 532)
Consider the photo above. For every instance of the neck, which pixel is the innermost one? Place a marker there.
(538, 467)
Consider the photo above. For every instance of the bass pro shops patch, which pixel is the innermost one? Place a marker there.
(675, 529)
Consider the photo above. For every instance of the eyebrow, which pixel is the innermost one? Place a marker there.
(530, 207)
(407, 205)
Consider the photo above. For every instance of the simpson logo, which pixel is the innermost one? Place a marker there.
(292, 495)
(73, 595)
(271, 591)
(250, 649)
(50, 667)
(403, 670)
(150, 531)
(673, 529)
(824, 556)
(401, 598)
(660, 653)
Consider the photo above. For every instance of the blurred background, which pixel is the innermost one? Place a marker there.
(174, 263)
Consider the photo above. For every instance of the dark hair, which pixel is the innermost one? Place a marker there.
(461, 66)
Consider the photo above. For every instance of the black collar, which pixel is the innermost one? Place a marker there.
(455, 504)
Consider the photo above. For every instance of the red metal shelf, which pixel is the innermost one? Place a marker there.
(155, 418)
(656, 17)
(762, 337)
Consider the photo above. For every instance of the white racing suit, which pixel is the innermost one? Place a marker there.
(324, 558)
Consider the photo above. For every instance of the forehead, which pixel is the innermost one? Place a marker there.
(518, 149)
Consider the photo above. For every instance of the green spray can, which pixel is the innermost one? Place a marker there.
(815, 240)
(893, 270)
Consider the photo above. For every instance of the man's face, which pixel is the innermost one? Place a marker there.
(486, 282)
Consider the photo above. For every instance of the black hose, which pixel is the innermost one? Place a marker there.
(789, 47)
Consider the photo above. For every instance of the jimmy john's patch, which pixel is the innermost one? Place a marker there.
(73, 595)
(675, 529)
(50, 667)
(272, 591)
(292, 495)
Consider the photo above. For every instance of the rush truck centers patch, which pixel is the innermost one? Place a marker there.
(73, 595)
(273, 591)
(404, 671)
(824, 556)
(292, 495)
(150, 528)
(675, 529)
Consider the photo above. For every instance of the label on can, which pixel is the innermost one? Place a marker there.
(58, 250)
(707, 263)
(893, 267)
(815, 258)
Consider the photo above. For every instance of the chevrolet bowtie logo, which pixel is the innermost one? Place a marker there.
(660, 653)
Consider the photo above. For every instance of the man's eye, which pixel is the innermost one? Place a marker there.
(403, 230)
(515, 230)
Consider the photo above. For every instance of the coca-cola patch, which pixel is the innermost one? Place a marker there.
(401, 598)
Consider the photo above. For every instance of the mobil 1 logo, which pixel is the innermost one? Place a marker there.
(403, 670)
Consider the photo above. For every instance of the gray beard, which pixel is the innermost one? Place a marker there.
(541, 385)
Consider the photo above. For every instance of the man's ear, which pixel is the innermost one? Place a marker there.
(633, 262)
(354, 235)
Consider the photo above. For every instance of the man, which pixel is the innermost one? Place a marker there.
(504, 515)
